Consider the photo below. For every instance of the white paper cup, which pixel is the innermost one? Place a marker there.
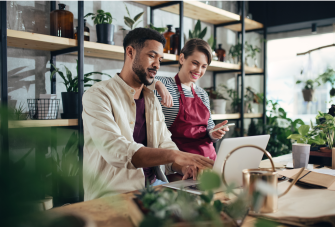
(300, 153)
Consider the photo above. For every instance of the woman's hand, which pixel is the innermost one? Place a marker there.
(219, 133)
(165, 94)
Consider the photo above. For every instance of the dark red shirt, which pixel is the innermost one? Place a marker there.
(140, 135)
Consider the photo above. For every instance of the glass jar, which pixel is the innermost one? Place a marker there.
(61, 22)
(86, 32)
(174, 42)
(167, 36)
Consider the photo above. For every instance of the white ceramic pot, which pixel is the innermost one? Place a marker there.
(300, 153)
(219, 106)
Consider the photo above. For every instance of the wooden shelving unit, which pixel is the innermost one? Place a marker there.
(235, 116)
(42, 123)
(207, 13)
(36, 41)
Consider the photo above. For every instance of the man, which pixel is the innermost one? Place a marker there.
(126, 139)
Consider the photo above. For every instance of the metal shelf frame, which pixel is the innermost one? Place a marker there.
(241, 72)
(53, 54)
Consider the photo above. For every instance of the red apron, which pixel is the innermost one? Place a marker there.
(189, 130)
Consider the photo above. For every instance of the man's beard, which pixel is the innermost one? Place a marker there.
(140, 72)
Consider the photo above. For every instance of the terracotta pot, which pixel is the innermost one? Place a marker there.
(325, 149)
(308, 94)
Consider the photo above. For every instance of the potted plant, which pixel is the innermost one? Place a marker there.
(326, 123)
(131, 23)
(329, 76)
(252, 97)
(308, 91)
(160, 30)
(70, 97)
(181, 209)
(19, 113)
(251, 52)
(235, 52)
(197, 32)
(67, 167)
(105, 29)
(218, 100)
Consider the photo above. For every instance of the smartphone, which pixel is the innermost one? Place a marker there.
(227, 125)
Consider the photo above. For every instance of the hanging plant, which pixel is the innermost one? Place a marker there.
(329, 77)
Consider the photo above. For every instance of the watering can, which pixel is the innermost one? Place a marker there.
(252, 176)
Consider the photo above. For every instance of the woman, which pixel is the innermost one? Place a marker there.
(186, 105)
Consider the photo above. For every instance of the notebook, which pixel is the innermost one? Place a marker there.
(311, 178)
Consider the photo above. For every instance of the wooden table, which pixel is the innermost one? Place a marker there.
(112, 211)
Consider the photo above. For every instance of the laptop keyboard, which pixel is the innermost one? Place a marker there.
(193, 187)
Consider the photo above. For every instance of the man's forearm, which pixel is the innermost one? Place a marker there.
(149, 157)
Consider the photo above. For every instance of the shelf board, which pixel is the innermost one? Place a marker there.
(235, 116)
(36, 41)
(207, 13)
(42, 123)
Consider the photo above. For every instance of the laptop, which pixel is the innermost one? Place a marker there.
(244, 158)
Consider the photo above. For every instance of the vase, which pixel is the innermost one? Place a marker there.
(255, 63)
(214, 56)
(167, 35)
(70, 105)
(61, 22)
(219, 106)
(105, 33)
(308, 94)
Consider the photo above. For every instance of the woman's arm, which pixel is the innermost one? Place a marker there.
(159, 85)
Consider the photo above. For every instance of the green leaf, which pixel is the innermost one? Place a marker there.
(265, 223)
(294, 137)
(209, 181)
(137, 23)
(138, 16)
(218, 205)
(129, 20)
(190, 35)
(303, 130)
(197, 27)
(203, 33)
(89, 14)
(99, 73)
(100, 11)
(127, 9)
(205, 198)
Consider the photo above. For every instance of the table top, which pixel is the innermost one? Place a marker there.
(113, 211)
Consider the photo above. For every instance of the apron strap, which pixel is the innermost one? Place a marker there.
(182, 96)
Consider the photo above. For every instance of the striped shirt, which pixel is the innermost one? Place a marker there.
(172, 112)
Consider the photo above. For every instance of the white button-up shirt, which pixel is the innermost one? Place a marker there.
(109, 119)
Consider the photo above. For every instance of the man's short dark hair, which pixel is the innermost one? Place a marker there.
(137, 37)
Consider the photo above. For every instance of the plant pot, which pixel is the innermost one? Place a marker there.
(219, 106)
(70, 105)
(308, 94)
(300, 153)
(69, 189)
(325, 149)
(315, 148)
(105, 33)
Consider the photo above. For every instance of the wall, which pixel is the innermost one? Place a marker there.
(28, 70)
